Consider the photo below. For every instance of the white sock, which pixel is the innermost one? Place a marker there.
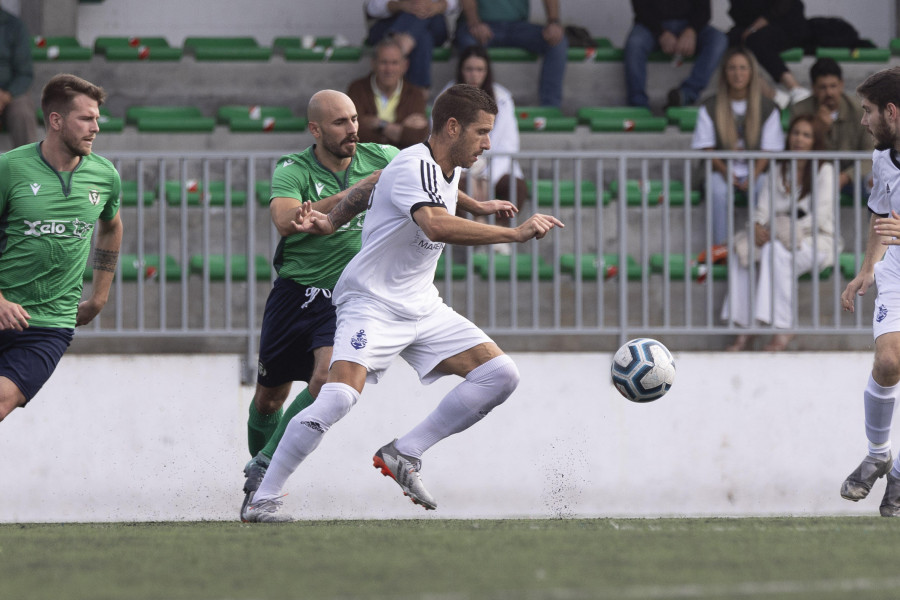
(879, 410)
(303, 435)
(484, 388)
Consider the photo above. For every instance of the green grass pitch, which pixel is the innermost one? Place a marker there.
(429, 559)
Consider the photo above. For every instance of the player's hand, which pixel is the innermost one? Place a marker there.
(309, 220)
(858, 286)
(13, 316)
(501, 208)
(537, 226)
(87, 310)
(890, 228)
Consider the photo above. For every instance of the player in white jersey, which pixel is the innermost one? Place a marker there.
(387, 304)
(880, 96)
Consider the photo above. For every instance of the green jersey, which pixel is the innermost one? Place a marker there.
(46, 222)
(316, 260)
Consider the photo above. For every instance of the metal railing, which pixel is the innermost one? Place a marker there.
(196, 257)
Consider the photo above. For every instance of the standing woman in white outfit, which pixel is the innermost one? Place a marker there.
(504, 173)
(814, 238)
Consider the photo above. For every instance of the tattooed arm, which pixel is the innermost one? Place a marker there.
(106, 254)
(311, 220)
(287, 212)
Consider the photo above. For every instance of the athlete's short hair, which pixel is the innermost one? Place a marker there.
(881, 88)
(462, 102)
(61, 89)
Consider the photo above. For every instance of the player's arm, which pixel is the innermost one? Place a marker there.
(876, 246)
(288, 214)
(440, 226)
(501, 208)
(106, 255)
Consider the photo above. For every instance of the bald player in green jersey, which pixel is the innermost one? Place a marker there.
(52, 196)
(299, 320)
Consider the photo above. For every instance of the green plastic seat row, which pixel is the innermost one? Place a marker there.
(226, 48)
(195, 195)
(605, 265)
(503, 265)
(587, 113)
(458, 271)
(567, 192)
(247, 118)
(219, 269)
(530, 112)
(677, 266)
(323, 48)
(879, 55)
(655, 195)
(164, 119)
(639, 124)
(130, 194)
(148, 268)
(121, 48)
(548, 124)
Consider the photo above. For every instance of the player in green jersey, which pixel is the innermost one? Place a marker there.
(52, 194)
(299, 320)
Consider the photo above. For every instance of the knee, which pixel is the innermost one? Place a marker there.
(505, 376)
(268, 400)
(886, 369)
(332, 404)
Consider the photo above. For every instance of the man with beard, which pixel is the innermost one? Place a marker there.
(388, 306)
(52, 194)
(838, 117)
(880, 96)
(299, 320)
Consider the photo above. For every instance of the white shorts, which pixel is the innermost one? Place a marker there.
(370, 335)
(886, 318)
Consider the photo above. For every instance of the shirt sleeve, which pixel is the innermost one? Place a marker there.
(287, 181)
(772, 138)
(112, 205)
(879, 202)
(415, 186)
(704, 131)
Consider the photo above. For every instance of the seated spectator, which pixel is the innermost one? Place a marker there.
(493, 23)
(768, 28)
(681, 29)
(16, 74)
(737, 117)
(813, 239)
(504, 176)
(838, 116)
(391, 111)
(419, 26)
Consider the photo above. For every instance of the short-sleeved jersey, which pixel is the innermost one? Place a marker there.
(884, 198)
(46, 223)
(314, 260)
(396, 263)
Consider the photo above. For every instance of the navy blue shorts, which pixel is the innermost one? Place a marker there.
(293, 326)
(29, 357)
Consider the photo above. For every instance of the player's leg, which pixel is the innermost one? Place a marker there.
(265, 414)
(11, 397)
(27, 360)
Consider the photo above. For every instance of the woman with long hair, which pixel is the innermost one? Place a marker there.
(737, 117)
(793, 233)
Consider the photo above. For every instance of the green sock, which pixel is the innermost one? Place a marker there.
(260, 428)
(302, 400)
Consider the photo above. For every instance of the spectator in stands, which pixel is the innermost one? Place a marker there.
(838, 116)
(391, 110)
(504, 176)
(737, 117)
(17, 112)
(767, 28)
(803, 221)
(681, 29)
(492, 23)
(418, 25)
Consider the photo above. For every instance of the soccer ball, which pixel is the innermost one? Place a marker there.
(643, 370)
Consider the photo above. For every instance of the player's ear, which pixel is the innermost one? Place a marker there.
(453, 127)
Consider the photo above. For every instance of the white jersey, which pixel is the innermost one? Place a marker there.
(396, 263)
(884, 198)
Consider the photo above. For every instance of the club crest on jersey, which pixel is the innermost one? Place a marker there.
(359, 340)
(94, 197)
(881, 313)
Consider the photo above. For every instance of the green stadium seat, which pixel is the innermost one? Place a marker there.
(529, 112)
(548, 124)
(58, 48)
(322, 48)
(848, 264)
(823, 275)
(247, 111)
(150, 268)
(634, 194)
(586, 113)
(130, 194)
(239, 270)
(458, 271)
(246, 118)
(509, 54)
(677, 267)
(169, 119)
(194, 187)
(581, 54)
(566, 192)
(607, 264)
(503, 266)
(879, 55)
(674, 114)
(639, 124)
(441, 54)
(120, 48)
(894, 46)
(792, 55)
(609, 54)
(226, 48)
(263, 189)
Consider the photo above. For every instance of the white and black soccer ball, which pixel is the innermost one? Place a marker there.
(643, 370)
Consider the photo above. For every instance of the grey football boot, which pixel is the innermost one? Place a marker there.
(254, 471)
(890, 503)
(859, 483)
(265, 511)
(405, 471)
